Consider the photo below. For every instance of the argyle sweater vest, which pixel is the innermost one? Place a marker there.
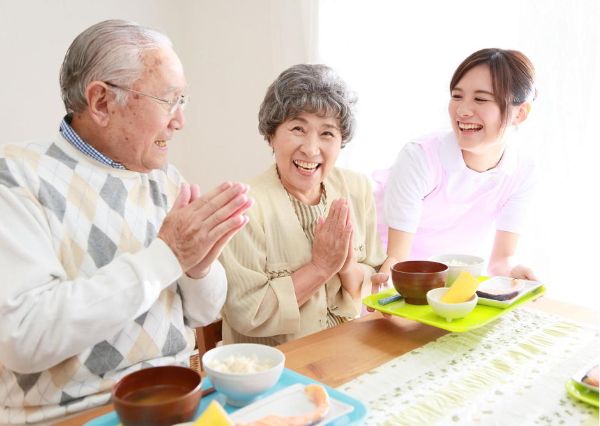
(92, 214)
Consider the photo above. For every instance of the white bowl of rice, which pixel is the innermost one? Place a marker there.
(460, 262)
(243, 371)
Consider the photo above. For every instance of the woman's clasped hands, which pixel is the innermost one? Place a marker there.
(333, 251)
(333, 239)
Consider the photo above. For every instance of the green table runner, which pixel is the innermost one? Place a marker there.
(510, 372)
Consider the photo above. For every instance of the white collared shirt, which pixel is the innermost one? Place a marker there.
(449, 207)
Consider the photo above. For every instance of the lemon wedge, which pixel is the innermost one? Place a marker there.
(462, 289)
(214, 415)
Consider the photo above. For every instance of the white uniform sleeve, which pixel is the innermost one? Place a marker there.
(409, 182)
(47, 317)
(514, 214)
(204, 298)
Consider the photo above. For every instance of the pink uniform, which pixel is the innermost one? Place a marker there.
(449, 207)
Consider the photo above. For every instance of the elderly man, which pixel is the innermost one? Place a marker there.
(107, 256)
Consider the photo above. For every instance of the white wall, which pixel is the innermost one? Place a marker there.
(34, 36)
(401, 62)
(231, 51)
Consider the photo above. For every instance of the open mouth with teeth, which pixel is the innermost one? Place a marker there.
(469, 128)
(306, 166)
(161, 143)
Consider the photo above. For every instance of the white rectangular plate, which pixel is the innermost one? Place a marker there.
(291, 401)
(505, 282)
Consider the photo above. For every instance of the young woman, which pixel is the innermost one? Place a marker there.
(446, 192)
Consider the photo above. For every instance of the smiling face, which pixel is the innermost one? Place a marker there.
(306, 148)
(139, 131)
(474, 113)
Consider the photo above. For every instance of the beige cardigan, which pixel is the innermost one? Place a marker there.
(261, 303)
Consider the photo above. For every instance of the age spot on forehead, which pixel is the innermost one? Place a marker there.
(150, 71)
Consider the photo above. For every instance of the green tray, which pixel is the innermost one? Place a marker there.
(480, 316)
(581, 393)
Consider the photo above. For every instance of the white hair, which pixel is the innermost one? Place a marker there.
(107, 51)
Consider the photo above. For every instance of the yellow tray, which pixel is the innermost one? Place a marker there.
(480, 316)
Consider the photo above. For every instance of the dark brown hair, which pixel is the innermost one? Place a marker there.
(513, 76)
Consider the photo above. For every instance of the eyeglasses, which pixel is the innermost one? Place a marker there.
(179, 102)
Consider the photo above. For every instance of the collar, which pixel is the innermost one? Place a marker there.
(452, 159)
(322, 199)
(74, 139)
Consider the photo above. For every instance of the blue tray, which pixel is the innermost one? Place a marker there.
(288, 377)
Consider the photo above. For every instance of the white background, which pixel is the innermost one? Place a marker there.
(400, 56)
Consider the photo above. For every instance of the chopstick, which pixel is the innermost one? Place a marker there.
(208, 391)
(390, 299)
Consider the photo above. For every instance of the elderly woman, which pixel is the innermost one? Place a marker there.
(310, 247)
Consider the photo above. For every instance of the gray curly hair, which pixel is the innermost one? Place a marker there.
(307, 88)
(107, 51)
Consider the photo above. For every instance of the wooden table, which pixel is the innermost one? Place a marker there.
(338, 355)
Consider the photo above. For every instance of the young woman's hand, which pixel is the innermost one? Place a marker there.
(523, 272)
(378, 282)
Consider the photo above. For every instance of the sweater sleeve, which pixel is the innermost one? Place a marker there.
(48, 317)
(374, 250)
(259, 302)
(204, 298)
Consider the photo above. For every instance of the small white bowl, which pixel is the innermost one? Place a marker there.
(242, 388)
(449, 311)
(460, 262)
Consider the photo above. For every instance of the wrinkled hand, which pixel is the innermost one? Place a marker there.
(332, 242)
(198, 226)
(523, 272)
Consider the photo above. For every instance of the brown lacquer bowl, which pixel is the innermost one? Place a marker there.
(157, 396)
(414, 278)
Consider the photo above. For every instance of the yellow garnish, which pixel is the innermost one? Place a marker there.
(462, 289)
(214, 415)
